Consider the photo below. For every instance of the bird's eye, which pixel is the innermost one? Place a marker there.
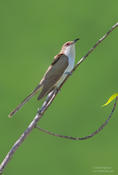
(67, 44)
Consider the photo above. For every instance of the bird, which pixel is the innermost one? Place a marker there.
(56, 73)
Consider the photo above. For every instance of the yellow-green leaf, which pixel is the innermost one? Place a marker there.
(111, 99)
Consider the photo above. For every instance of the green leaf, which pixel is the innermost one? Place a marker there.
(111, 99)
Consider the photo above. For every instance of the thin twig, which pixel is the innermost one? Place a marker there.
(45, 107)
(90, 51)
(26, 133)
(85, 137)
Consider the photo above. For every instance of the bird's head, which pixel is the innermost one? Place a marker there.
(68, 48)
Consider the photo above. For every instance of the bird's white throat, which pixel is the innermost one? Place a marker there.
(70, 51)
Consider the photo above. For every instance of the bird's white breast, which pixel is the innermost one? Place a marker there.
(70, 65)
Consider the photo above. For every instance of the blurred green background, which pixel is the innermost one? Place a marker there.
(31, 34)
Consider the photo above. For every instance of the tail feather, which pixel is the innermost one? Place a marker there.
(24, 101)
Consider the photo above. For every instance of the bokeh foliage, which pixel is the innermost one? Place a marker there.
(31, 33)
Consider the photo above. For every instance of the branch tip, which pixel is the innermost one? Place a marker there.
(45, 107)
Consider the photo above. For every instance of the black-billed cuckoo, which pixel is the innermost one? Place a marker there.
(61, 66)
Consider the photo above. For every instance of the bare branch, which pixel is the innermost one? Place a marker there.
(85, 137)
(38, 116)
(90, 51)
(44, 107)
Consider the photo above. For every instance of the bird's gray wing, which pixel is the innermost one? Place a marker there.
(53, 74)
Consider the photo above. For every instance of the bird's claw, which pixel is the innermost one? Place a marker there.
(68, 73)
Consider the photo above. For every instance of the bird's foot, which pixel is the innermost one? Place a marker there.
(68, 73)
(57, 90)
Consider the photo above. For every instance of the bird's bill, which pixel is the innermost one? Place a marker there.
(75, 40)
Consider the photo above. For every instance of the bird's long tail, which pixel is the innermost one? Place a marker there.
(25, 101)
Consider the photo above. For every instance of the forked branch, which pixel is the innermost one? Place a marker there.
(85, 137)
(45, 106)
